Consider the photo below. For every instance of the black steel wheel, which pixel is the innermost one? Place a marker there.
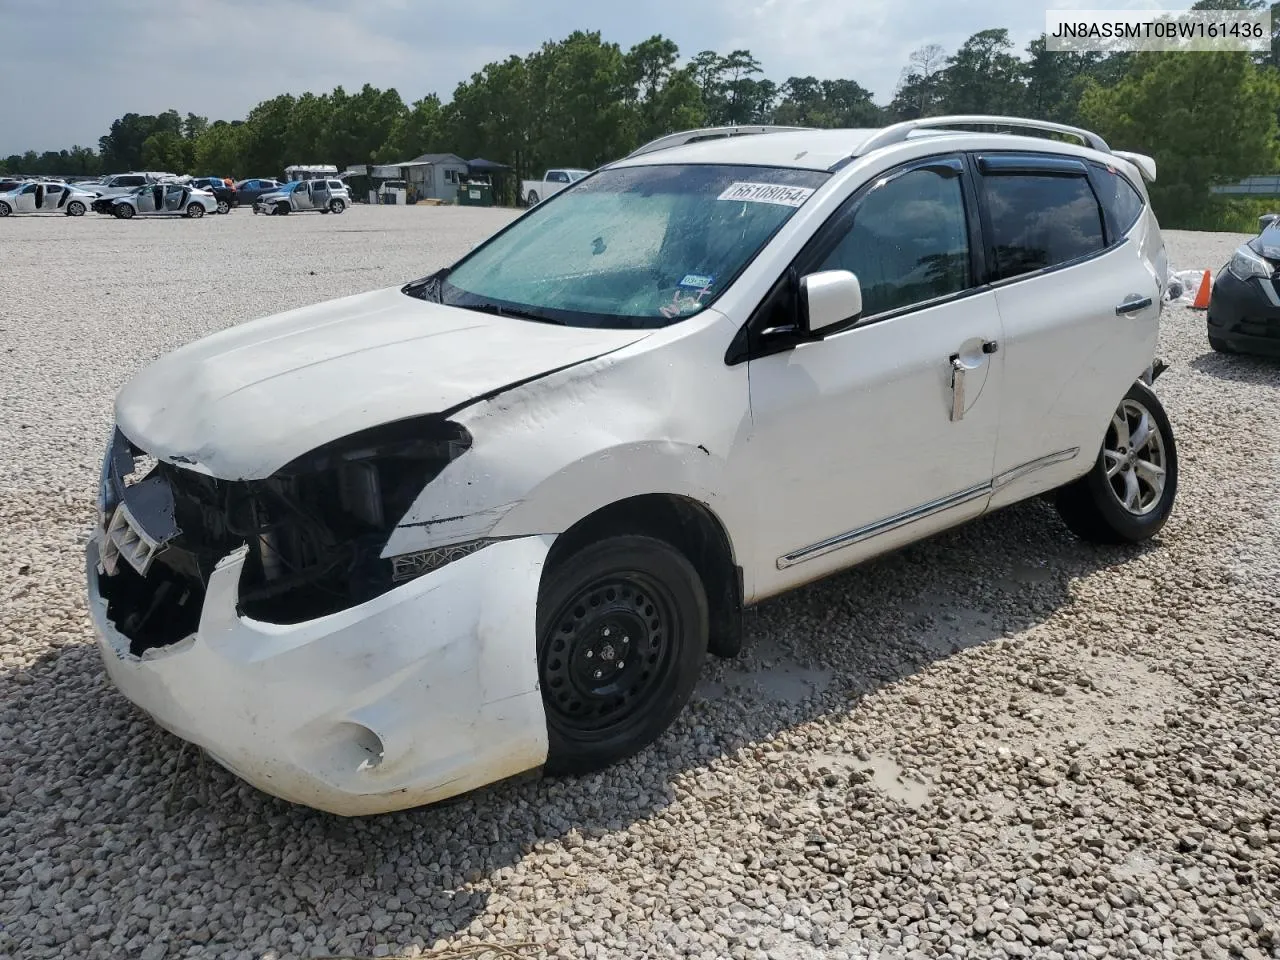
(622, 632)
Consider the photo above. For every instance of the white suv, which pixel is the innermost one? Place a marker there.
(406, 543)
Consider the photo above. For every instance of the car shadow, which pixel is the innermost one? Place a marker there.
(1239, 367)
(814, 653)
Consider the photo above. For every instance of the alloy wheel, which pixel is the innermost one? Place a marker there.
(1135, 459)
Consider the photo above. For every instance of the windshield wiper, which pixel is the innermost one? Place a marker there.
(500, 311)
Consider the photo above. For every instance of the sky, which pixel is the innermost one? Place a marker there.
(87, 62)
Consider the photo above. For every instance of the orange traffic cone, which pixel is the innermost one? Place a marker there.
(1202, 295)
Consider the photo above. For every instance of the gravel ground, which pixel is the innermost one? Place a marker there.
(1002, 742)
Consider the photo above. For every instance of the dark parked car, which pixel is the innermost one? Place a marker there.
(250, 190)
(226, 196)
(1244, 308)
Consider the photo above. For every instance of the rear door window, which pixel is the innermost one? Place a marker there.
(1041, 220)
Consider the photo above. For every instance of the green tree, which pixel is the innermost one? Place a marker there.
(166, 150)
(418, 130)
(1207, 118)
(984, 77)
(220, 150)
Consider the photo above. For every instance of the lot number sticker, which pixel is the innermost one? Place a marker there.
(767, 193)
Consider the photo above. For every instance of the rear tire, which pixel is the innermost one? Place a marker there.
(224, 207)
(195, 211)
(1221, 346)
(622, 632)
(5, 209)
(532, 199)
(1128, 494)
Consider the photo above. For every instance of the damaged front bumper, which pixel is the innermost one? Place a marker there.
(422, 693)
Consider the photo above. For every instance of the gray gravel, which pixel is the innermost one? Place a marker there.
(1002, 742)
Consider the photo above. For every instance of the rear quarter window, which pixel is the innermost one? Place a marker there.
(1040, 221)
(1120, 198)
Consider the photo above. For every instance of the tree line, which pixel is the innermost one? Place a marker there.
(583, 101)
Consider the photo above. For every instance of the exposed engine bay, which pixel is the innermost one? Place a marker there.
(314, 530)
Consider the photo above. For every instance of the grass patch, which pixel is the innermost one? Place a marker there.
(1223, 215)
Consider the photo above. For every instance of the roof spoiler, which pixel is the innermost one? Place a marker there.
(1145, 164)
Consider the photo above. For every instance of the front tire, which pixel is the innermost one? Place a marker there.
(123, 211)
(1128, 495)
(5, 209)
(75, 209)
(622, 632)
(1219, 346)
(282, 209)
(224, 207)
(337, 206)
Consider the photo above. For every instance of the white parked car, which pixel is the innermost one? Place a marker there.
(406, 543)
(324, 196)
(552, 182)
(43, 196)
(164, 199)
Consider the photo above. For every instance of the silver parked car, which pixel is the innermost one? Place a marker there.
(164, 199)
(324, 195)
(46, 197)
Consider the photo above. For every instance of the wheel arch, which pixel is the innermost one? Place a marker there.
(689, 525)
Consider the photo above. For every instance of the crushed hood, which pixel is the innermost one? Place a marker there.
(242, 403)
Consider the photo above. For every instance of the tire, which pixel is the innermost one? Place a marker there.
(1221, 346)
(123, 211)
(5, 209)
(532, 199)
(282, 210)
(75, 209)
(224, 207)
(337, 206)
(1094, 507)
(195, 211)
(636, 605)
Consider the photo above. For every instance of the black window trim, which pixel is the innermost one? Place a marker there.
(824, 239)
(1051, 168)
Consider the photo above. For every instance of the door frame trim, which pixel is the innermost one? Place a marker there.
(899, 520)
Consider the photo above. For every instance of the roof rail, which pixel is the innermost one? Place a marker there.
(705, 133)
(899, 132)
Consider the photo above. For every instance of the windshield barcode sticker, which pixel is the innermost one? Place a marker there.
(767, 193)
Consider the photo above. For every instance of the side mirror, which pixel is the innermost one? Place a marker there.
(829, 298)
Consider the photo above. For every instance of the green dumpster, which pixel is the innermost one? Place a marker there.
(475, 195)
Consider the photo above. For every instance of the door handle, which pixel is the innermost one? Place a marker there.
(1132, 304)
(957, 388)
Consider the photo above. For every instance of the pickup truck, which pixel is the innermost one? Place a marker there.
(552, 182)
